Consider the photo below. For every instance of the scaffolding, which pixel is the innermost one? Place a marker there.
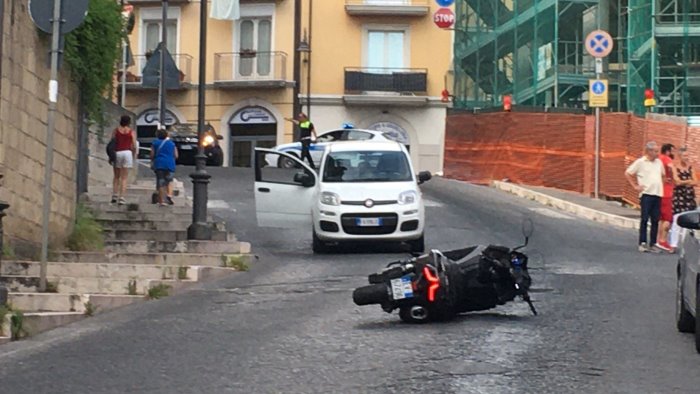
(534, 50)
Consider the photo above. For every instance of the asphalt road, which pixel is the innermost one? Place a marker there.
(606, 322)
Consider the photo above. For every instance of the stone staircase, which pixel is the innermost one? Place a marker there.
(146, 247)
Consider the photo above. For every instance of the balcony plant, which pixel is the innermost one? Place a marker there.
(247, 53)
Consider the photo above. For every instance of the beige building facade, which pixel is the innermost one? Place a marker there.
(379, 64)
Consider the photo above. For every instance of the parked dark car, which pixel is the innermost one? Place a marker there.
(688, 277)
(185, 138)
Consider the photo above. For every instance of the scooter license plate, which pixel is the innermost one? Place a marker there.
(368, 222)
(186, 147)
(402, 288)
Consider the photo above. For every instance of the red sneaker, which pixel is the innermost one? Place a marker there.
(663, 246)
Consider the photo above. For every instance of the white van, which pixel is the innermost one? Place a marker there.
(364, 191)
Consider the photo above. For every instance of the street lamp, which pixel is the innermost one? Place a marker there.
(199, 229)
(305, 49)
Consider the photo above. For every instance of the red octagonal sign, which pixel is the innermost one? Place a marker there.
(444, 18)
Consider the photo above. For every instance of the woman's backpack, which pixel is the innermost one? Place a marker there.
(111, 150)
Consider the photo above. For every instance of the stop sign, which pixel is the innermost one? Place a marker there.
(444, 18)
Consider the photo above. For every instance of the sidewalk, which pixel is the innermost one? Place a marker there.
(607, 212)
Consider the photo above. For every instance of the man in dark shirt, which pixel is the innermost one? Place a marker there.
(307, 135)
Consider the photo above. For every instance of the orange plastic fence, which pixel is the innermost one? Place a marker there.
(556, 150)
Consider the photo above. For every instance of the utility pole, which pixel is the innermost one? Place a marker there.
(296, 106)
(163, 48)
(122, 96)
(48, 162)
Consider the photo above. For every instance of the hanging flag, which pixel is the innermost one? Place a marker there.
(225, 9)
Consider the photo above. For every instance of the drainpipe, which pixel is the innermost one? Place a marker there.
(308, 69)
(2, 36)
(296, 106)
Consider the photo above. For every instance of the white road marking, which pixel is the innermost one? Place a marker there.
(551, 213)
(431, 203)
(218, 204)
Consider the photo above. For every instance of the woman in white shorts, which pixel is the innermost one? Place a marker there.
(125, 147)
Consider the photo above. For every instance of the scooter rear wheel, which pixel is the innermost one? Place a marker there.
(415, 314)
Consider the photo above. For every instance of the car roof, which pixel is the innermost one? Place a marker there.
(364, 145)
(354, 129)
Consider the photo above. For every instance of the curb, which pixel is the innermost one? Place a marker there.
(578, 210)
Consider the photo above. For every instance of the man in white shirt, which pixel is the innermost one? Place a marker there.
(646, 176)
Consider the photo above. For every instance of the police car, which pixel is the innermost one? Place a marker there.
(347, 133)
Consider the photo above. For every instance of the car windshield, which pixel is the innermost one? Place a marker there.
(367, 166)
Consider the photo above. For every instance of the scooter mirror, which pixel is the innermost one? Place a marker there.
(528, 228)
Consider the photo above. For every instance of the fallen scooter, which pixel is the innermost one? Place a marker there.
(439, 285)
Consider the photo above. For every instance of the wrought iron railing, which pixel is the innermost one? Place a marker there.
(134, 73)
(400, 80)
(250, 66)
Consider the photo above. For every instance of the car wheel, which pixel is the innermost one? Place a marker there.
(318, 246)
(217, 160)
(285, 162)
(417, 245)
(697, 316)
(416, 314)
(684, 319)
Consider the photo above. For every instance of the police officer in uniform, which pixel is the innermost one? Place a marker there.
(307, 134)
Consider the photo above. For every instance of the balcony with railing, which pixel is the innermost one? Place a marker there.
(134, 73)
(251, 69)
(386, 85)
(387, 7)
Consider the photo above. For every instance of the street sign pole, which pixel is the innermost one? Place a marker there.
(596, 186)
(48, 163)
(599, 44)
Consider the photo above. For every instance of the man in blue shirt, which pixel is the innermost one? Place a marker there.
(163, 156)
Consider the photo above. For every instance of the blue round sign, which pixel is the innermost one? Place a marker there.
(598, 87)
(445, 3)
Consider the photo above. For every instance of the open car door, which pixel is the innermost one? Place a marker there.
(283, 194)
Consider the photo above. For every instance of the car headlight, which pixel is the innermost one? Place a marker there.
(208, 140)
(329, 198)
(408, 197)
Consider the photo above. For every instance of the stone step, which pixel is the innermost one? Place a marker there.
(48, 302)
(106, 207)
(176, 259)
(159, 235)
(98, 270)
(38, 322)
(111, 286)
(208, 247)
(70, 285)
(155, 216)
(134, 190)
(54, 302)
(140, 225)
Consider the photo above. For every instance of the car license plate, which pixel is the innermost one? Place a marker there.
(368, 222)
(402, 288)
(186, 147)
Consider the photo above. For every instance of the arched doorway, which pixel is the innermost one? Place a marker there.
(146, 127)
(393, 131)
(250, 128)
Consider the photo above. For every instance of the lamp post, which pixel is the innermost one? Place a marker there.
(199, 229)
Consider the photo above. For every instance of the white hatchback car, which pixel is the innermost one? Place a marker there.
(317, 148)
(364, 191)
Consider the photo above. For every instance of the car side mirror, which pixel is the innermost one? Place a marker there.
(690, 220)
(424, 176)
(304, 179)
(219, 137)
